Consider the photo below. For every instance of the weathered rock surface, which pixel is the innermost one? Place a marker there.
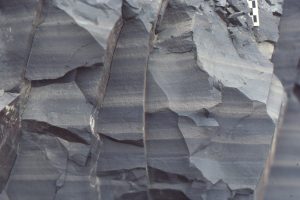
(9, 134)
(139, 99)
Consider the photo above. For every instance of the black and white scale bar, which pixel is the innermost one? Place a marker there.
(253, 5)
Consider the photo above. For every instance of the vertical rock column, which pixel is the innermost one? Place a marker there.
(16, 28)
(122, 168)
(178, 96)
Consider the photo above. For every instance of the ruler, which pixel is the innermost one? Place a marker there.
(253, 5)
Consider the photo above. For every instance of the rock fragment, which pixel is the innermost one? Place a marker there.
(59, 108)
(60, 45)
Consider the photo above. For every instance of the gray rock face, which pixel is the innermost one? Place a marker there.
(9, 134)
(286, 53)
(60, 46)
(57, 166)
(196, 129)
(120, 121)
(61, 105)
(139, 99)
(16, 22)
(283, 182)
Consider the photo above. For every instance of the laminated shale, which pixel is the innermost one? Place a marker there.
(137, 99)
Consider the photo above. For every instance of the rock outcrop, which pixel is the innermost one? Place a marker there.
(137, 99)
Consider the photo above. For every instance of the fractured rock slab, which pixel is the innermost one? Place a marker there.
(103, 20)
(195, 127)
(60, 45)
(60, 108)
(89, 80)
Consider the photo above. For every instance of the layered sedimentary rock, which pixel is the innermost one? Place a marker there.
(122, 163)
(16, 22)
(207, 125)
(139, 99)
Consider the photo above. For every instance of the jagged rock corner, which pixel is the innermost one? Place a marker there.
(139, 99)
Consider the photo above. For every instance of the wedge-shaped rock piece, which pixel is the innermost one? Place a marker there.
(60, 45)
(90, 80)
(103, 20)
(9, 134)
(59, 108)
(99, 17)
